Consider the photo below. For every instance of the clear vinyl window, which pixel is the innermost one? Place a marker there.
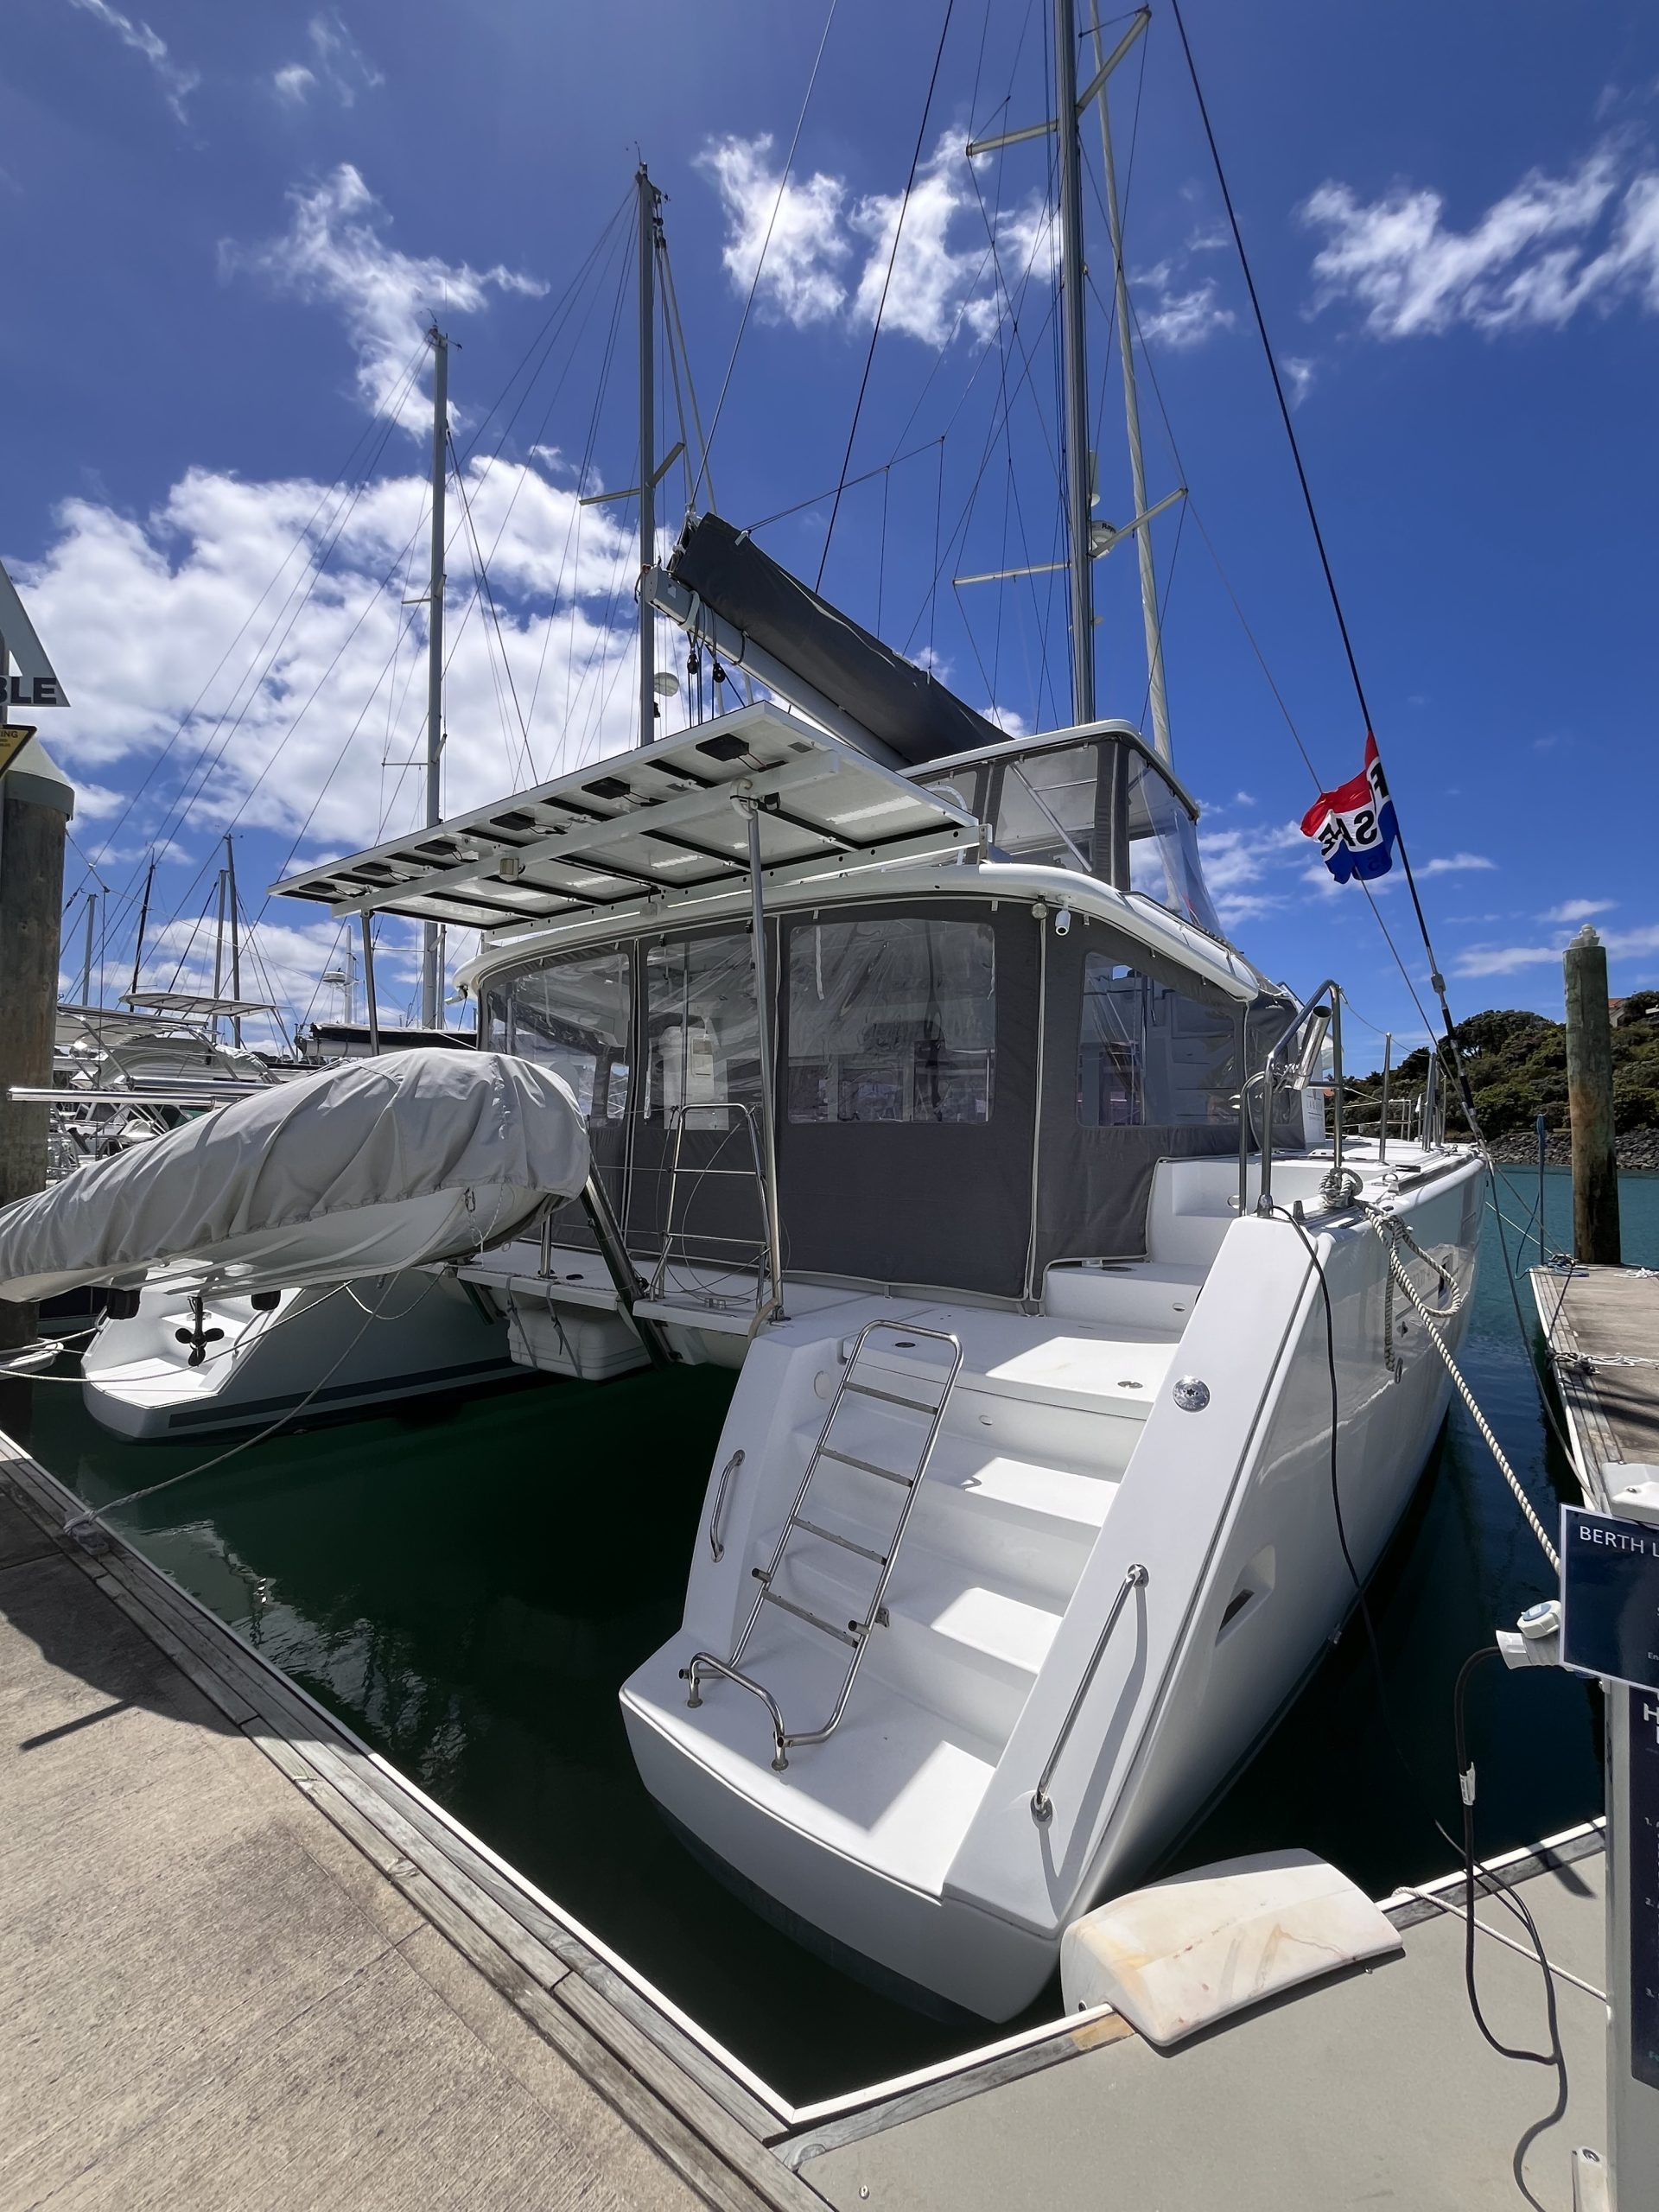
(572, 1013)
(892, 1021)
(1148, 1053)
(702, 1038)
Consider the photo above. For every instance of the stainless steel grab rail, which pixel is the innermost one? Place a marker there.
(1042, 1806)
(725, 1474)
(757, 1248)
(704, 1662)
(1330, 991)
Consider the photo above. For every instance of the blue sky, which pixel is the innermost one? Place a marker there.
(222, 231)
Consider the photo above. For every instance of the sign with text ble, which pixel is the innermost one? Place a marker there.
(1610, 1598)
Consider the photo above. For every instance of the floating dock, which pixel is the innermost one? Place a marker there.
(1601, 1330)
(246, 1962)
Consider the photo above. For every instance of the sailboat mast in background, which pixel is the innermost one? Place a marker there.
(431, 953)
(648, 220)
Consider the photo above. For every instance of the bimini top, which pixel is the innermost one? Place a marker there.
(659, 819)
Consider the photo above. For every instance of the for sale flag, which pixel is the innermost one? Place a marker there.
(1354, 824)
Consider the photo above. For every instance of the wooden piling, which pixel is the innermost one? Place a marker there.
(36, 805)
(1589, 1101)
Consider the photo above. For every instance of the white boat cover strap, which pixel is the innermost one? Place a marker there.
(364, 1134)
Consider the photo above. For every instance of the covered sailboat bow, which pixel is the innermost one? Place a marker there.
(363, 1168)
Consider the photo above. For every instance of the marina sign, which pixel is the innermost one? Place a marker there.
(37, 685)
(14, 736)
(33, 691)
(1610, 1598)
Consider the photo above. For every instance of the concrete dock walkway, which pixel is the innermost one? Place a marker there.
(213, 1997)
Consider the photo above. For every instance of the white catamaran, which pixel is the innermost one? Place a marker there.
(1084, 1373)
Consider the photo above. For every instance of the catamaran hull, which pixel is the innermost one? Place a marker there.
(1246, 1584)
(317, 1354)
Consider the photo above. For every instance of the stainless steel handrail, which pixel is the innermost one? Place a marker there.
(704, 1662)
(1314, 1003)
(1042, 1806)
(725, 1474)
(761, 1247)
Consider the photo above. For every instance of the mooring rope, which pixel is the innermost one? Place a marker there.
(1390, 1234)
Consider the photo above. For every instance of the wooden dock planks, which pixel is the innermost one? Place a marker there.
(1596, 1320)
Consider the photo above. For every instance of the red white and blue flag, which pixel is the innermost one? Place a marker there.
(1354, 824)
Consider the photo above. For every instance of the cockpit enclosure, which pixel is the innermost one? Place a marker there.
(1098, 799)
(964, 1093)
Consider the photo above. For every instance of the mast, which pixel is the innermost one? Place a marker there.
(236, 941)
(1075, 362)
(143, 924)
(1157, 699)
(87, 954)
(648, 197)
(431, 980)
(219, 955)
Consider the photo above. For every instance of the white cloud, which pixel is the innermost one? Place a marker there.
(1545, 249)
(338, 66)
(1578, 910)
(1008, 720)
(177, 84)
(796, 227)
(1176, 312)
(314, 700)
(333, 254)
(1510, 959)
(1245, 868)
(828, 256)
(1298, 376)
(935, 287)
(1456, 864)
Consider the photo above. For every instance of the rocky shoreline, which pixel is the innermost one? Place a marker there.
(1638, 1150)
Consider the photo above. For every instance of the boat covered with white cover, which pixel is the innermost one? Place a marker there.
(364, 1169)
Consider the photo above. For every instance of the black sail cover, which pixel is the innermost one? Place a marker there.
(897, 702)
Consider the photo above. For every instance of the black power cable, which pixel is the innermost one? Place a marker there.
(1517, 1905)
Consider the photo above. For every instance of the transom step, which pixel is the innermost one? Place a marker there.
(903, 1336)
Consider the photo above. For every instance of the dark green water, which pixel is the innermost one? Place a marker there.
(467, 1587)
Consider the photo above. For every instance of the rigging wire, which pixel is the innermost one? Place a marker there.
(301, 538)
(886, 281)
(761, 259)
(1436, 980)
(488, 590)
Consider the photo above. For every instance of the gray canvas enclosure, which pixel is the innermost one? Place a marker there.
(920, 1118)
